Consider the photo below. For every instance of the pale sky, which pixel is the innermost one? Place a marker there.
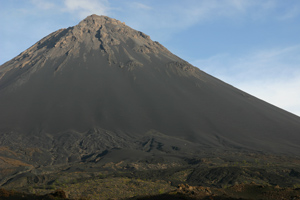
(253, 45)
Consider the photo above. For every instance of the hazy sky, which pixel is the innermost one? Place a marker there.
(253, 45)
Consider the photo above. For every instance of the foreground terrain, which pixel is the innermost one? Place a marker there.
(239, 176)
(240, 191)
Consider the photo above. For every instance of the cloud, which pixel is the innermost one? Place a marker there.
(272, 74)
(86, 7)
(281, 92)
(279, 62)
(209, 10)
(137, 5)
(42, 4)
(78, 8)
(162, 20)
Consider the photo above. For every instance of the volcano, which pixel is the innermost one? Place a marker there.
(102, 90)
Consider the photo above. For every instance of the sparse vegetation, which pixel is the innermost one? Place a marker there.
(118, 182)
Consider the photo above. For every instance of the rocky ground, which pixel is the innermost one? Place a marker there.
(247, 177)
(250, 191)
(240, 191)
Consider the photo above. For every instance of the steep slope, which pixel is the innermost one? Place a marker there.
(100, 85)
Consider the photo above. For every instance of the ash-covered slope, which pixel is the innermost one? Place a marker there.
(101, 85)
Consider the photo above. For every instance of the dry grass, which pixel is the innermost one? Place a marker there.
(7, 150)
(12, 162)
(114, 187)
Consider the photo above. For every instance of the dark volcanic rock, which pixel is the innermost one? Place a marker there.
(101, 86)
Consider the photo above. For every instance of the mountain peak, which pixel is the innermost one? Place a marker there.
(104, 26)
(95, 33)
(101, 85)
(94, 19)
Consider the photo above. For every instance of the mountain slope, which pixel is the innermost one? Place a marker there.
(100, 85)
